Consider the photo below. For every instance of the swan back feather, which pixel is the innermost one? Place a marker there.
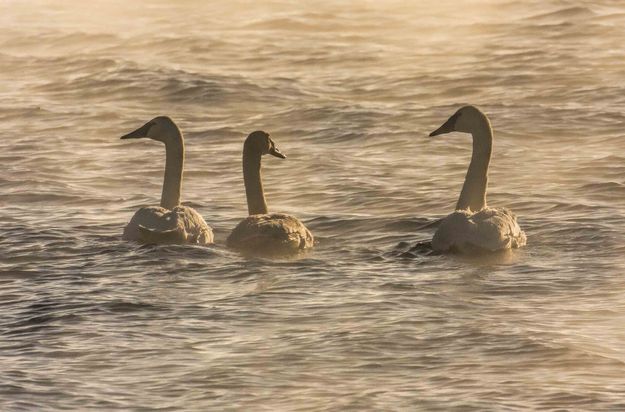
(158, 225)
(274, 233)
(488, 230)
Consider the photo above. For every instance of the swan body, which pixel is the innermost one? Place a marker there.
(261, 232)
(488, 230)
(170, 222)
(274, 232)
(154, 224)
(474, 227)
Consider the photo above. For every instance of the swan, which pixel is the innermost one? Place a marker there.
(262, 232)
(474, 227)
(170, 222)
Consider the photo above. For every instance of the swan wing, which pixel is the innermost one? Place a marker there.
(195, 226)
(159, 225)
(271, 233)
(153, 217)
(154, 236)
(487, 230)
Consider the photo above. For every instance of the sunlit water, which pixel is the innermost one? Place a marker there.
(349, 91)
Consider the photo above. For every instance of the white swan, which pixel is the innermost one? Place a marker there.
(474, 227)
(171, 222)
(262, 233)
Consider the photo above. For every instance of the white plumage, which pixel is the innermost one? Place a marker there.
(263, 233)
(155, 224)
(474, 227)
(274, 233)
(488, 230)
(170, 222)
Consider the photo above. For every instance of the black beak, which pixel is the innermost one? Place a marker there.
(447, 127)
(139, 133)
(277, 153)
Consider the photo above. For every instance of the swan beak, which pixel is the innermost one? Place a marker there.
(139, 133)
(277, 153)
(447, 127)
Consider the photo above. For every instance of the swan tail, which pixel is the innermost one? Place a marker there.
(152, 236)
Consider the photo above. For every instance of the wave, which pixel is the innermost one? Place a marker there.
(121, 79)
(564, 15)
(58, 40)
(609, 190)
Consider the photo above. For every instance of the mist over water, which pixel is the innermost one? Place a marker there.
(349, 91)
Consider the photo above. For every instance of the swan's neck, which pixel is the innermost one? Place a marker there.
(174, 163)
(473, 195)
(256, 203)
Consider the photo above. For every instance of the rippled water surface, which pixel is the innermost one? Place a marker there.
(349, 90)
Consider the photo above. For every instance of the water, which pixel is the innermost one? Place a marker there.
(349, 91)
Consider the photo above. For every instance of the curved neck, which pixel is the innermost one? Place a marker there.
(256, 203)
(174, 163)
(473, 195)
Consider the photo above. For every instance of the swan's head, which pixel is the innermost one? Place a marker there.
(161, 128)
(466, 120)
(260, 142)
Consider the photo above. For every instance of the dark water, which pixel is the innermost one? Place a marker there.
(349, 91)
